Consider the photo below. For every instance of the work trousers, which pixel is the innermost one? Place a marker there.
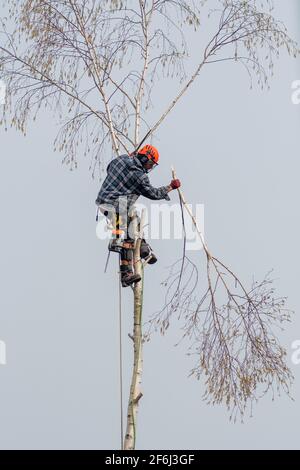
(123, 227)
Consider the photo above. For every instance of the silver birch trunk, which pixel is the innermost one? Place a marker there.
(136, 381)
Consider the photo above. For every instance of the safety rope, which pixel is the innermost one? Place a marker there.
(121, 360)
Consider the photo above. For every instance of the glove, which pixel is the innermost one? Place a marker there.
(175, 184)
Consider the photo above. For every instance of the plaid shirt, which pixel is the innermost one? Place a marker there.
(126, 180)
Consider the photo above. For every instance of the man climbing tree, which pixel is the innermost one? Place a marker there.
(99, 67)
(126, 180)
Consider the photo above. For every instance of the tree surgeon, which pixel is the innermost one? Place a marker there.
(127, 179)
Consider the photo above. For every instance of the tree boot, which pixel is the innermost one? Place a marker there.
(128, 278)
(146, 252)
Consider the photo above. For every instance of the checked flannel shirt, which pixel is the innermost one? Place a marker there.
(126, 180)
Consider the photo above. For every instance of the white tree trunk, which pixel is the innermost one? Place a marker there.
(135, 388)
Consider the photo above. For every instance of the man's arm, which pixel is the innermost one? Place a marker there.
(146, 189)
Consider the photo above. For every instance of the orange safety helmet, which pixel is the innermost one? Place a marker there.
(150, 152)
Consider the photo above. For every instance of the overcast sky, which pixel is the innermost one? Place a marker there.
(237, 152)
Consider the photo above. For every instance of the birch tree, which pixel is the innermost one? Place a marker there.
(94, 65)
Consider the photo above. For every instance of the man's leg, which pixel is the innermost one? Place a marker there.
(147, 253)
(121, 243)
(128, 277)
(146, 250)
(118, 233)
(126, 264)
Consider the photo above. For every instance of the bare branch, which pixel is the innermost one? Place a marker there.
(231, 330)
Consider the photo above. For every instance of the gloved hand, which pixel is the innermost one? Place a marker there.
(175, 184)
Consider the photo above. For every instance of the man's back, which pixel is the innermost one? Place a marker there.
(122, 174)
(126, 177)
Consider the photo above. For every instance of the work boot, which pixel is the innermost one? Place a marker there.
(146, 252)
(128, 278)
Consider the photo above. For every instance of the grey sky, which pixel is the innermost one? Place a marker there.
(236, 151)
